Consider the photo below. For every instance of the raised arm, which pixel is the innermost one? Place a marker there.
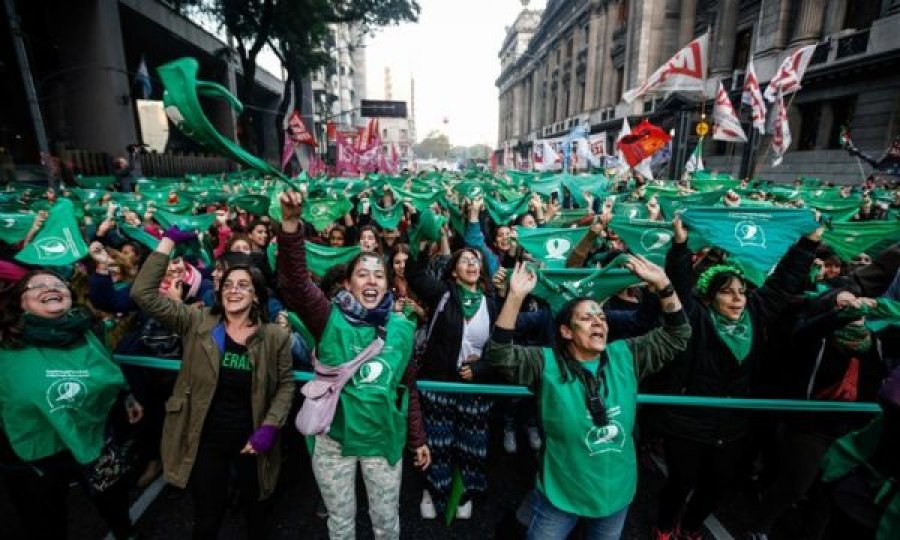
(297, 290)
(177, 316)
(424, 285)
(678, 266)
(657, 347)
(475, 237)
(789, 278)
(583, 249)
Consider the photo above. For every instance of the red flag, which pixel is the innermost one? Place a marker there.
(395, 159)
(298, 132)
(374, 134)
(643, 141)
(727, 126)
(331, 131)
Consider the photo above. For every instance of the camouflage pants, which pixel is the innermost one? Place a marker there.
(336, 476)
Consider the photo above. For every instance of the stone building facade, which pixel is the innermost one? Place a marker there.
(571, 63)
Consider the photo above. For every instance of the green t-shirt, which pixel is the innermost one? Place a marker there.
(56, 399)
(371, 416)
(588, 470)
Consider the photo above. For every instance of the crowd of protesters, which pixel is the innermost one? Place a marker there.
(437, 277)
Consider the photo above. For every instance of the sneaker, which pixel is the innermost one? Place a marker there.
(509, 441)
(534, 438)
(663, 535)
(426, 507)
(464, 511)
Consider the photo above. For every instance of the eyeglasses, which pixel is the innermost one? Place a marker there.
(48, 286)
(239, 287)
(470, 261)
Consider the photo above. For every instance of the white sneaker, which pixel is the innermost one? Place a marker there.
(534, 438)
(426, 507)
(509, 441)
(464, 511)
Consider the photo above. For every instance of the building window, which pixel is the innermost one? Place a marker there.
(620, 81)
(810, 113)
(384, 134)
(570, 46)
(842, 115)
(403, 134)
(585, 34)
(742, 48)
(861, 13)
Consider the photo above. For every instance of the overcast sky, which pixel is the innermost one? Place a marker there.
(452, 54)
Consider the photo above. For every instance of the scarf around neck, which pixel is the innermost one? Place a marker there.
(469, 300)
(56, 332)
(853, 338)
(359, 315)
(736, 335)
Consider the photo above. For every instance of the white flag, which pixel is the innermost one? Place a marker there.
(695, 162)
(727, 127)
(686, 72)
(781, 135)
(787, 78)
(752, 95)
(584, 152)
(550, 156)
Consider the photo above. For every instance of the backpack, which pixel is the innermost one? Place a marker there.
(323, 392)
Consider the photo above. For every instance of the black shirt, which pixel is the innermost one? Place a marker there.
(231, 408)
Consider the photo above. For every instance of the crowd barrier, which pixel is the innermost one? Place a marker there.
(644, 399)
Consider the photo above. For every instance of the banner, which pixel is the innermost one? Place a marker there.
(781, 136)
(787, 78)
(752, 95)
(727, 127)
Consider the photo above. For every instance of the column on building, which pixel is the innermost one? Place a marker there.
(686, 22)
(560, 82)
(574, 87)
(725, 33)
(834, 16)
(773, 34)
(595, 59)
(609, 70)
(808, 27)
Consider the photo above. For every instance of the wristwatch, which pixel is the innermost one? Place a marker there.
(666, 291)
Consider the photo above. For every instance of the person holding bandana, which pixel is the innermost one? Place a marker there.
(587, 398)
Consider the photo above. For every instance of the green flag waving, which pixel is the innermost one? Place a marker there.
(755, 238)
(14, 226)
(549, 245)
(646, 237)
(322, 212)
(59, 241)
(387, 218)
(558, 286)
(504, 212)
(319, 258)
(198, 223)
(850, 239)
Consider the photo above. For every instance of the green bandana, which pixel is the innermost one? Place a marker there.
(257, 205)
(319, 258)
(428, 228)
(850, 239)
(420, 200)
(737, 335)
(558, 286)
(549, 245)
(854, 338)
(504, 212)
(57, 332)
(470, 300)
(59, 242)
(14, 227)
(885, 313)
(320, 213)
(194, 223)
(671, 204)
(755, 238)
(139, 235)
(387, 218)
(651, 239)
(95, 182)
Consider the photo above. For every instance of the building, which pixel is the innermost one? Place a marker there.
(81, 61)
(574, 63)
(339, 86)
(399, 133)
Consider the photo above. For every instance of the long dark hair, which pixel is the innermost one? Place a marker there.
(11, 313)
(395, 250)
(454, 260)
(569, 367)
(259, 312)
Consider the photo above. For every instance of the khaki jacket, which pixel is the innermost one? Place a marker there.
(273, 384)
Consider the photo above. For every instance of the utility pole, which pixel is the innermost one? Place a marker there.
(34, 107)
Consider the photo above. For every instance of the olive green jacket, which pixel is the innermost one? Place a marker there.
(269, 350)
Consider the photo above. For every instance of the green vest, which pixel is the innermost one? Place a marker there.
(54, 399)
(587, 470)
(371, 416)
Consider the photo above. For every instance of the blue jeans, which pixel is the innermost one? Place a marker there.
(551, 523)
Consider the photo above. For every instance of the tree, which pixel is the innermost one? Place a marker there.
(480, 151)
(435, 145)
(297, 30)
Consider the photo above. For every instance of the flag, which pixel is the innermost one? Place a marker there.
(686, 72)
(14, 226)
(298, 132)
(549, 157)
(59, 242)
(505, 155)
(142, 79)
(492, 161)
(395, 159)
(787, 78)
(346, 156)
(662, 157)
(752, 95)
(576, 133)
(558, 286)
(695, 162)
(781, 137)
(651, 239)
(727, 127)
(645, 140)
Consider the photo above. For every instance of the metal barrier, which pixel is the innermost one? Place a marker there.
(644, 399)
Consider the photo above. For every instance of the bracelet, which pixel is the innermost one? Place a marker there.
(666, 292)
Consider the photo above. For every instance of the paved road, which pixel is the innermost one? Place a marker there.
(293, 516)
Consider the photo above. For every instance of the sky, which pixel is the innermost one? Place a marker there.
(452, 52)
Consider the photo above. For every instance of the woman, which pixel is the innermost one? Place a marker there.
(403, 296)
(464, 309)
(370, 424)
(587, 390)
(368, 239)
(59, 390)
(258, 232)
(730, 326)
(233, 392)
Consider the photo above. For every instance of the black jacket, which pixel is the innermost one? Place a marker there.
(442, 350)
(707, 367)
